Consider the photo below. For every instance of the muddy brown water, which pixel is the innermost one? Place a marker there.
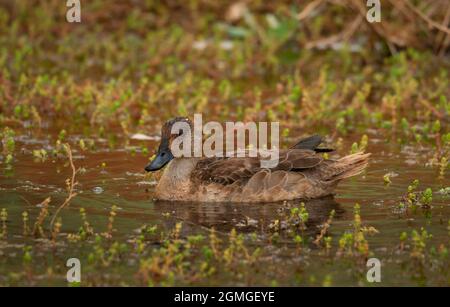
(123, 182)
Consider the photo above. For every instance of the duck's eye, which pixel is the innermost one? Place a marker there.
(180, 132)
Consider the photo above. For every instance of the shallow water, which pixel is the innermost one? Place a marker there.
(123, 182)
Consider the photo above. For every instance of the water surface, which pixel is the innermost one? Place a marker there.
(112, 174)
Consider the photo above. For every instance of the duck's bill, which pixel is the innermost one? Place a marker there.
(161, 159)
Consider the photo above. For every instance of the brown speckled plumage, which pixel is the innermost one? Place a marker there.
(300, 174)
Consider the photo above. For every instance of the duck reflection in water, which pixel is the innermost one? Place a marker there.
(246, 217)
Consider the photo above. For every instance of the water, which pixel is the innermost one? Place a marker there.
(112, 175)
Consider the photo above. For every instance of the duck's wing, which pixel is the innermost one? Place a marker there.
(233, 170)
(297, 159)
(311, 143)
(225, 170)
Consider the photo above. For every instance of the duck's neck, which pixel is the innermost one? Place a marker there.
(176, 177)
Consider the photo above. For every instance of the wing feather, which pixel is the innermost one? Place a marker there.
(227, 171)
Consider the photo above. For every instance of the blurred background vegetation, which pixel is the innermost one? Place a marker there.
(130, 64)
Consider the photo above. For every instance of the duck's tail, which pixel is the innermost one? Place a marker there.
(349, 166)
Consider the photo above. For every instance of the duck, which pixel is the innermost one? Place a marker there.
(302, 173)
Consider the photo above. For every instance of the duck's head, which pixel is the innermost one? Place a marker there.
(169, 131)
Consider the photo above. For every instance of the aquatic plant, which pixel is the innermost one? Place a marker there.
(27, 258)
(361, 244)
(426, 198)
(443, 165)
(86, 230)
(25, 219)
(321, 236)
(418, 240)
(403, 238)
(70, 185)
(3, 219)
(346, 242)
(38, 230)
(40, 155)
(8, 141)
(56, 230)
(361, 146)
(355, 244)
(110, 228)
(387, 179)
